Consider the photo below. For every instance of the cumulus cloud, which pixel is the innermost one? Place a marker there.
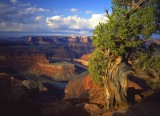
(75, 22)
(26, 17)
(13, 1)
(74, 10)
(96, 18)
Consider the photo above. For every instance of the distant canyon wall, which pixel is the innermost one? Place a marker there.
(39, 65)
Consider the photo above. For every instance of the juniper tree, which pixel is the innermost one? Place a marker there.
(115, 42)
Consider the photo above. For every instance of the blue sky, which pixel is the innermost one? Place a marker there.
(54, 16)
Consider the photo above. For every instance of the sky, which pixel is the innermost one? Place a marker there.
(70, 17)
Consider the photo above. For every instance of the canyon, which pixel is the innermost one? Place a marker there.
(36, 69)
(47, 75)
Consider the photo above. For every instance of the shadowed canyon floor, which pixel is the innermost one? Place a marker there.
(23, 97)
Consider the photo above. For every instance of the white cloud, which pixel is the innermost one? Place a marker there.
(13, 1)
(21, 17)
(88, 12)
(38, 18)
(34, 9)
(75, 22)
(96, 18)
(74, 10)
(43, 10)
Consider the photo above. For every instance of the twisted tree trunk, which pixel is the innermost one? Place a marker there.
(115, 82)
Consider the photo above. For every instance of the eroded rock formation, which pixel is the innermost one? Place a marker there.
(58, 71)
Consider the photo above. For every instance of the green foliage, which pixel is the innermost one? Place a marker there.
(97, 66)
(120, 36)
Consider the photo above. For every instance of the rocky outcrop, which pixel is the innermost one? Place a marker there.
(58, 71)
(85, 87)
(91, 96)
(12, 89)
(25, 58)
(33, 85)
(79, 87)
(22, 62)
(83, 98)
(9, 90)
(35, 63)
(33, 58)
(83, 59)
(82, 39)
(80, 48)
(39, 40)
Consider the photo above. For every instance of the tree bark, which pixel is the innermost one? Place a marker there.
(115, 83)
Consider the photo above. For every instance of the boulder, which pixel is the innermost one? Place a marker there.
(79, 87)
(85, 88)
